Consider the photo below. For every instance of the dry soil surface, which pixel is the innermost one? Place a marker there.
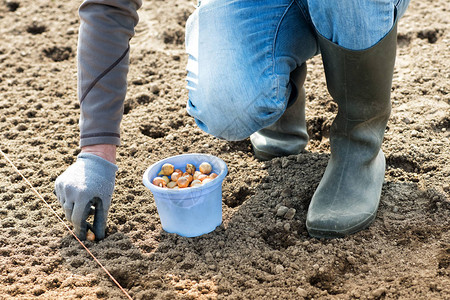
(255, 253)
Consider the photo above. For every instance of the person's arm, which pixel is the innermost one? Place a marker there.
(106, 27)
(103, 49)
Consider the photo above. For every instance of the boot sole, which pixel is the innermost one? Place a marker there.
(264, 156)
(332, 234)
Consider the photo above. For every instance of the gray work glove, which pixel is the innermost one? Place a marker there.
(87, 186)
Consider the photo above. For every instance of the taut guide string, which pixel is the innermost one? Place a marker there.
(65, 225)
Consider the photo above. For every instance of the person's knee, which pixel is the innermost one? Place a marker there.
(232, 111)
(236, 85)
(231, 97)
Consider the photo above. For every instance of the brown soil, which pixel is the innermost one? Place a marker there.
(255, 254)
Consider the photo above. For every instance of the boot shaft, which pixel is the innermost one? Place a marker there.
(360, 81)
(288, 135)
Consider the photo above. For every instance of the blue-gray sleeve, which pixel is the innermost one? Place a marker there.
(106, 27)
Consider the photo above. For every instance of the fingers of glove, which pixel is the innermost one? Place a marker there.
(70, 197)
(68, 210)
(60, 199)
(79, 215)
(58, 191)
(100, 218)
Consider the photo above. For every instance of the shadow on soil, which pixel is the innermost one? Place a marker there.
(246, 253)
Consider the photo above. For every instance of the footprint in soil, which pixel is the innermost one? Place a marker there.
(432, 35)
(153, 131)
(237, 196)
(58, 54)
(36, 28)
(12, 5)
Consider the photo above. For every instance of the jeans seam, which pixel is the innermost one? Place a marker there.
(274, 46)
(305, 11)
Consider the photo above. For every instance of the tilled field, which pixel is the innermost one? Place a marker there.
(255, 253)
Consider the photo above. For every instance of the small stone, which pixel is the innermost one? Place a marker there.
(22, 127)
(285, 162)
(351, 260)
(170, 137)
(290, 214)
(209, 257)
(217, 277)
(278, 225)
(133, 150)
(378, 292)
(139, 81)
(265, 186)
(395, 209)
(38, 291)
(179, 286)
(70, 31)
(316, 266)
(286, 192)
(406, 120)
(302, 292)
(444, 129)
(279, 269)
(287, 226)
(282, 210)
(356, 294)
(154, 89)
(300, 158)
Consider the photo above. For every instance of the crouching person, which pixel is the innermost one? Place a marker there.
(246, 70)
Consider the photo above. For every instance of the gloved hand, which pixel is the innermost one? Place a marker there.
(88, 183)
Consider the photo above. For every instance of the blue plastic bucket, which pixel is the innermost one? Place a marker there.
(190, 211)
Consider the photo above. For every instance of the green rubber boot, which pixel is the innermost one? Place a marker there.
(347, 198)
(288, 134)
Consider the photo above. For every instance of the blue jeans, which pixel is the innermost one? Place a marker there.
(241, 53)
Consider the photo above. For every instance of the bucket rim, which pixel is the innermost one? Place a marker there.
(208, 185)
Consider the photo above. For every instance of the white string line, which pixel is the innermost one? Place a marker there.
(64, 223)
